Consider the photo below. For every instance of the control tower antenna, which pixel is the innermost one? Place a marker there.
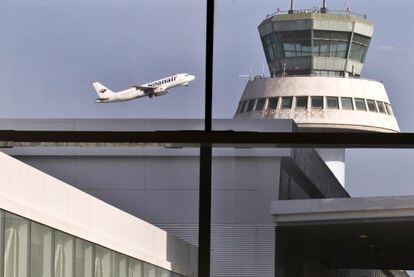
(292, 7)
(324, 8)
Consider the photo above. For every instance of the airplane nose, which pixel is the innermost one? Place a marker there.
(192, 77)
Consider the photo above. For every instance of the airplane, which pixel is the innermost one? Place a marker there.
(155, 88)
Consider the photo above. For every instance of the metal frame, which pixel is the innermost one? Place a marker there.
(205, 140)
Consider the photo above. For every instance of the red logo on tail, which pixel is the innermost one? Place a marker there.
(102, 90)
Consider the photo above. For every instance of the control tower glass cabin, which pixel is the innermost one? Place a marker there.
(315, 58)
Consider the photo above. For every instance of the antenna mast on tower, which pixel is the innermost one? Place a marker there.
(292, 7)
(324, 8)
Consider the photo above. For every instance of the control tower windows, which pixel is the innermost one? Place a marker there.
(287, 102)
(328, 73)
(360, 104)
(347, 103)
(359, 47)
(260, 104)
(331, 44)
(332, 102)
(244, 106)
(239, 108)
(296, 44)
(389, 110)
(381, 107)
(272, 103)
(250, 105)
(371, 106)
(302, 102)
(267, 46)
(317, 102)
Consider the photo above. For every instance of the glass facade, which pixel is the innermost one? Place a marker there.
(347, 103)
(31, 249)
(330, 44)
(272, 104)
(332, 102)
(302, 102)
(260, 104)
(316, 102)
(360, 104)
(359, 47)
(287, 102)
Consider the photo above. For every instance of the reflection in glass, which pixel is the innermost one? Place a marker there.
(16, 239)
(287, 102)
(150, 270)
(317, 102)
(332, 102)
(371, 106)
(389, 110)
(331, 44)
(103, 262)
(120, 265)
(83, 258)
(260, 104)
(347, 103)
(250, 105)
(163, 273)
(41, 248)
(134, 268)
(359, 47)
(63, 255)
(272, 103)
(381, 107)
(360, 104)
(302, 102)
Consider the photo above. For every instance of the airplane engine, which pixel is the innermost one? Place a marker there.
(160, 93)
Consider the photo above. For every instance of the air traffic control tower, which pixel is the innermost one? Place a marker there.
(315, 59)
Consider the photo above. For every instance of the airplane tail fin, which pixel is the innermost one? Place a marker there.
(102, 91)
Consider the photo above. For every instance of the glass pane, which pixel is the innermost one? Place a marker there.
(103, 262)
(347, 103)
(134, 268)
(302, 102)
(317, 102)
(63, 255)
(120, 265)
(360, 104)
(260, 104)
(83, 258)
(371, 106)
(389, 110)
(16, 240)
(332, 102)
(250, 106)
(287, 102)
(150, 270)
(163, 273)
(272, 104)
(244, 107)
(41, 249)
(381, 107)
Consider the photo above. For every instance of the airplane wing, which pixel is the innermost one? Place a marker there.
(144, 88)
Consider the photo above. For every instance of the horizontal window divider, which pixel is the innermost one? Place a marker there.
(195, 138)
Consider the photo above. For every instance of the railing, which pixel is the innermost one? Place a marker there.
(317, 10)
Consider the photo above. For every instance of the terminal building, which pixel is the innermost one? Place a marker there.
(133, 211)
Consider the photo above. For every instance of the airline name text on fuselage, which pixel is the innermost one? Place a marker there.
(163, 81)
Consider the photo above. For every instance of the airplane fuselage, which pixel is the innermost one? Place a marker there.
(151, 89)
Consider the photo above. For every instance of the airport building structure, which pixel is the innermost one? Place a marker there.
(276, 212)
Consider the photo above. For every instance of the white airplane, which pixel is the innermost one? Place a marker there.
(156, 88)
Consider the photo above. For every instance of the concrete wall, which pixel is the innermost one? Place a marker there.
(322, 118)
